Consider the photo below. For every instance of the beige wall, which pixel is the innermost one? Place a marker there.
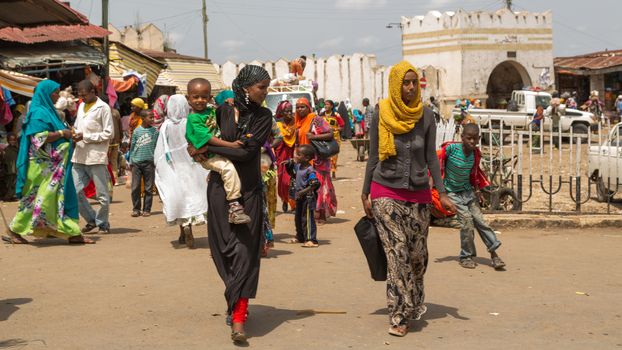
(149, 37)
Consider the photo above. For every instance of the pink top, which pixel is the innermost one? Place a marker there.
(379, 191)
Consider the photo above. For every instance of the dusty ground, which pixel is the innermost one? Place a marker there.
(136, 289)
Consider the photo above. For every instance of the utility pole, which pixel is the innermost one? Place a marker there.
(106, 44)
(204, 9)
(508, 4)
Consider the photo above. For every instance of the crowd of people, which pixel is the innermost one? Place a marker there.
(223, 161)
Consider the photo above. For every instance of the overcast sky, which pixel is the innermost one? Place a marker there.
(244, 30)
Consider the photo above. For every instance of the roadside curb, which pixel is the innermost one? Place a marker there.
(553, 221)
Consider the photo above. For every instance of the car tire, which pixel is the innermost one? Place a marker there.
(580, 129)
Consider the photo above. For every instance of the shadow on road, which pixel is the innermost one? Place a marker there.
(435, 312)
(55, 241)
(264, 319)
(8, 307)
(275, 253)
(199, 243)
(478, 260)
(122, 230)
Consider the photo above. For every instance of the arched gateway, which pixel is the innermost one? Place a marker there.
(504, 78)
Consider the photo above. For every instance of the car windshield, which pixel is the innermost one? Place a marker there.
(543, 101)
(273, 99)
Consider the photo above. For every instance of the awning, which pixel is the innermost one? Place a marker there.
(18, 83)
(50, 55)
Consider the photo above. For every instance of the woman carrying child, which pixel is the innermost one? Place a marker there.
(236, 249)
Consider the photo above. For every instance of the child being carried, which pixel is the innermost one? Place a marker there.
(202, 131)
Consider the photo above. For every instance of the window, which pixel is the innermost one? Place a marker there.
(511, 54)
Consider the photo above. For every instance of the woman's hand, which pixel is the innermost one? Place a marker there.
(199, 157)
(192, 151)
(310, 136)
(447, 203)
(66, 134)
(77, 137)
(367, 206)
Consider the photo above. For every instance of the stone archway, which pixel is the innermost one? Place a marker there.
(505, 78)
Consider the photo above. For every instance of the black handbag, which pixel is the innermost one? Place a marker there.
(372, 248)
(325, 149)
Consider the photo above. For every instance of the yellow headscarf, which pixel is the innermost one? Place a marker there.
(396, 117)
(138, 102)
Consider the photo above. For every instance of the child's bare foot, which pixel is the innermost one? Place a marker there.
(188, 237)
(237, 333)
(237, 215)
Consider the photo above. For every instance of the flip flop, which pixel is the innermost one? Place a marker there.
(15, 239)
(398, 331)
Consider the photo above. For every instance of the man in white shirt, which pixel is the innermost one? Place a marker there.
(93, 131)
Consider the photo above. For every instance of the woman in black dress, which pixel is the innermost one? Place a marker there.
(236, 248)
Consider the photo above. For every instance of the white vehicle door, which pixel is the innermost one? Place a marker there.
(610, 158)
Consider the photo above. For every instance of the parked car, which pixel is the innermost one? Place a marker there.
(605, 164)
(525, 103)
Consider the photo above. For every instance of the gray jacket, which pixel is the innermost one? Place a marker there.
(416, 154)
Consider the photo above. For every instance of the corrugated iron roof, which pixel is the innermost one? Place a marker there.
(17, 56)
(591, 61)
(124, 58)
(52, 33)
(29, 13)
(171, 55)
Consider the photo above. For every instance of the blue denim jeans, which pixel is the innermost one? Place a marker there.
(471, 218)
(82, 175)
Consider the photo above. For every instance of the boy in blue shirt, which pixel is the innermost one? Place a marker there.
(144, 140)
(304, 192)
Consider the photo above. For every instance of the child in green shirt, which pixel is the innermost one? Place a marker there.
(202, 130)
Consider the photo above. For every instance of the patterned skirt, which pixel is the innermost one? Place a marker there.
(403, 230)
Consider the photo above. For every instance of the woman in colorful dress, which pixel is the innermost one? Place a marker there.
(313, 127)
(284, 151)
(336, 122)
(48, 202)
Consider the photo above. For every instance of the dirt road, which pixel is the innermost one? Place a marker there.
(136, 289)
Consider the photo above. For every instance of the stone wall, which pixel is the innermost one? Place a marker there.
(339, 77)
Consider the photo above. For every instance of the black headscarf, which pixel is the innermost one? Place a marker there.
(249, 75)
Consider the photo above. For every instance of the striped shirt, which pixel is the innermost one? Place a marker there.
(458, 169)
(143, 144)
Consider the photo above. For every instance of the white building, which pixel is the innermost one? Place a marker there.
(483, 55)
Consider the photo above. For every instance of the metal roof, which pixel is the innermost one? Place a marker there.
(21, 56)
(123, 58)
(30, 13)
(52, 33)
(180, 71)
(171, 55)
(591, 61)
